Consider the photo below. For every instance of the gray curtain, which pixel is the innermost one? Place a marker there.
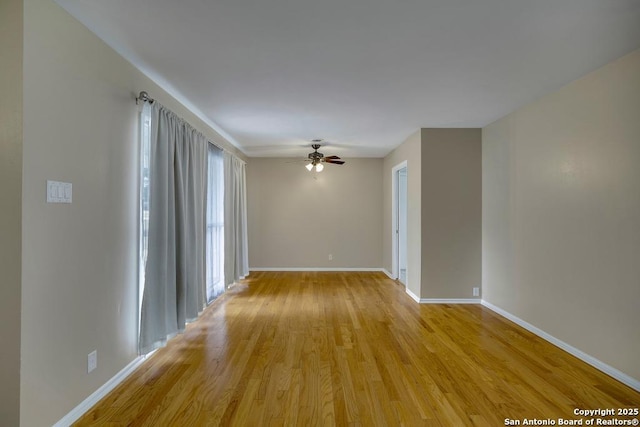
(236, 255)
(174, 288)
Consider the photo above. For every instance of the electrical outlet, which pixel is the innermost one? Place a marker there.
(476, 292)
(330, 257)
(92, 361)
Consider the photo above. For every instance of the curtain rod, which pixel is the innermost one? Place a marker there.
(144, 97)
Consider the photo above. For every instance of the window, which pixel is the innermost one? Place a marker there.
(215, 223)
(145, 156)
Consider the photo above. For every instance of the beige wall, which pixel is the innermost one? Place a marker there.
(561, 214)
(79, 275)
(451, 212)
(296, 218)
(10, 207)
(444, 211)
(408, 151)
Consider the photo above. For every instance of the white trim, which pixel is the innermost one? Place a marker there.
(394, 217)
(598, 364)
(383, 270)
(419, 300)
(95, 397)
(415, 297)
(316, 269)
(450, 300)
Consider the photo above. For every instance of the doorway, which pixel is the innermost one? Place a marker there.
(399, 220)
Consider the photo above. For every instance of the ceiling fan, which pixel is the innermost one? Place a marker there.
(317, 159)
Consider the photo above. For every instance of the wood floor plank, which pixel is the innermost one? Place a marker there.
(351, 349)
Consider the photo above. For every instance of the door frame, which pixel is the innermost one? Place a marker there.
(395, 218)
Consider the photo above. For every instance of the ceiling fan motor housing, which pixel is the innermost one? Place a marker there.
(316, 156)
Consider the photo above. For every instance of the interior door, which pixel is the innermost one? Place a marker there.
(402, 224)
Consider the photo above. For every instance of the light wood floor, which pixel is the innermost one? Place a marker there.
(308, 349)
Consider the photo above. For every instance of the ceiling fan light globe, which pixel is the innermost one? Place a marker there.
(319, 167)
(309, 166)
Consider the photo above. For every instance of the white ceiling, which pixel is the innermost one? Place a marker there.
(362, 74)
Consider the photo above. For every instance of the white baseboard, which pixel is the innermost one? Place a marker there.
(316, 269)
(95, 397)
(450, 301)
(419, 300)
(384, 270)
(598, 364)
(415, 297)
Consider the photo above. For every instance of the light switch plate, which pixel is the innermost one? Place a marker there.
(59, 192)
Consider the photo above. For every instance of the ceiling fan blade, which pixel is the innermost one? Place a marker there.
(332, 157)
(335, 162)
